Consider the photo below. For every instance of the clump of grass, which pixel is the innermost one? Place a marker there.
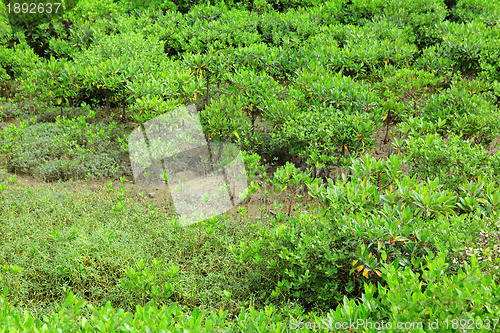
(8, 111)
(66, 149)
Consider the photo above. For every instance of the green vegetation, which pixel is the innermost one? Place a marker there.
(369, 130)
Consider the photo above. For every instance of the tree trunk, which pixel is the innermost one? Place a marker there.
(108, 109)
(388, 120)
(123, 112)
(207, 98)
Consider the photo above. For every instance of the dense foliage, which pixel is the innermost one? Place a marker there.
(373, 126)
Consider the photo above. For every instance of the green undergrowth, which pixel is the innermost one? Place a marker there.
(305, 88)
(87, 259)
(83, 241)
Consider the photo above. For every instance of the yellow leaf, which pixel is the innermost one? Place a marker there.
(385, 64)
(359, 268)
(365, 274)
(390, 188)
(427, 312)
(354, 262)
(195, 96)
(378, 273)
(494, 213)
(473, 91)
(236, 133)
(76, 85)
(370, 255)
(50, 93)
(284, 188)
(385, 117)
(197, 71)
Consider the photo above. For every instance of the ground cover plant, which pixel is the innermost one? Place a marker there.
(369, 131)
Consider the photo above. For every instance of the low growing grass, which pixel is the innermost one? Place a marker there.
(68, 240)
